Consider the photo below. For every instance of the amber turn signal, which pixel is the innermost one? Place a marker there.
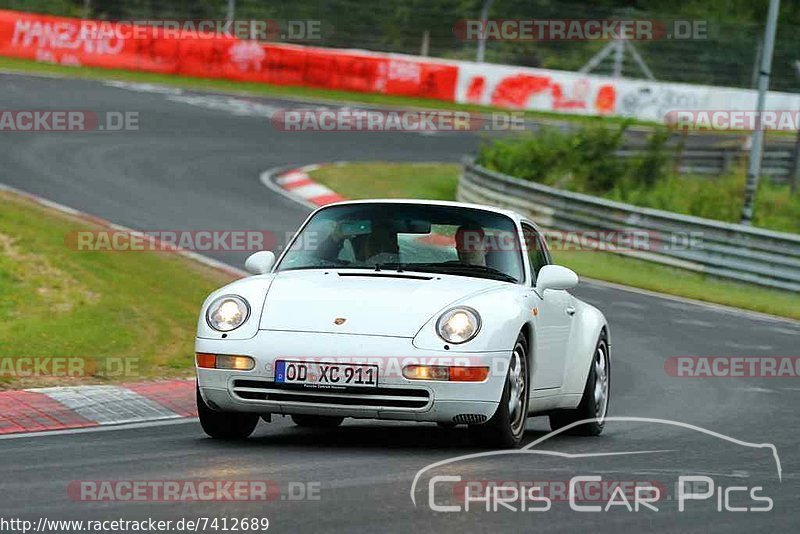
(224, 361)
(441, 372)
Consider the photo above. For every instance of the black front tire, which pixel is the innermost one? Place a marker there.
(507, 426)
(589, 407)
(225, 425)
(317, 421)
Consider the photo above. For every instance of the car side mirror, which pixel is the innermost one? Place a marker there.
(260, 262)
(555, 277)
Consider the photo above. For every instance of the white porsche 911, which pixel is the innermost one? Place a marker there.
(406, 310)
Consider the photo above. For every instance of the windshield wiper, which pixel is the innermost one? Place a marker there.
(451, 268)
(489, 272)
(398, 267)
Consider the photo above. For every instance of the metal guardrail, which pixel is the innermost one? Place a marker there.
(716, 248)
(777, 163)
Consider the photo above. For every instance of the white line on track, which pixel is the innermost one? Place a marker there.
(786, 331)
(754, 389)
(628, 316)
(733, 345)
(693, 322)
(104, 428)
(626, 304)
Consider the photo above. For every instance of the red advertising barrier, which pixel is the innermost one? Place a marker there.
(153, 48)
(69, 41)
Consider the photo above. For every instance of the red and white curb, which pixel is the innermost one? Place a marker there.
(62, 408)
(298, 185)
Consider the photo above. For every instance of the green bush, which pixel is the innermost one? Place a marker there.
(582, 160)
(652, 165)
(542, 158)
(597, 167)
(712, 198)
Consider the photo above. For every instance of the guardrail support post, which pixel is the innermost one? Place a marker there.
(794, 175)
(426, 43)
(482, 40)
(754, 169)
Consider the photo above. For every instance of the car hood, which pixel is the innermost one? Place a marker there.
(382, 303)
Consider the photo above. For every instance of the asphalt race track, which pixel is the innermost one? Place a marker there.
(194, 163)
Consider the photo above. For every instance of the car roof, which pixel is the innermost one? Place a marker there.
(509, 213)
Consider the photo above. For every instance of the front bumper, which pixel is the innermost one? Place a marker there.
(396, 397)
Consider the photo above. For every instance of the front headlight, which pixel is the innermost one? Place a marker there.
(458, 325)
(227, 313)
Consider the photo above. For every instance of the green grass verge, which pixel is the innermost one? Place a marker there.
(439, 180)
(263, 89)
(134, 307)
(719, 198)
(434, 181)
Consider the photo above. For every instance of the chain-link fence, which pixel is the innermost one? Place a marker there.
(724, 55)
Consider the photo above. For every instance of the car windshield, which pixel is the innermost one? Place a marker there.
(415, 237)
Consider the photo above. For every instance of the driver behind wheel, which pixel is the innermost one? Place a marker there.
(378, 244)
(471, 245)
(381, 245)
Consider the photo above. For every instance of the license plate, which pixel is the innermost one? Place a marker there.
(326, 375)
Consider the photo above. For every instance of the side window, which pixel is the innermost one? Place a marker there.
(537, 252)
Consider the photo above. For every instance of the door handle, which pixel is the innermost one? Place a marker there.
(571, 311)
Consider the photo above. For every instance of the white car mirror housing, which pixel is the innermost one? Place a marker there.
(555, 277)
(260, 262)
